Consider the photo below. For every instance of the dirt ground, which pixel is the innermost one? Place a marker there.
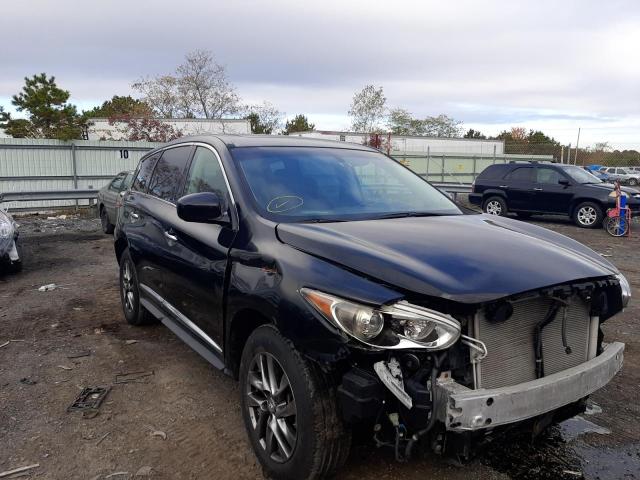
(182, 420)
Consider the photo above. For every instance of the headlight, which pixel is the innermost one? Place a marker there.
(626, 289)
(401, 325)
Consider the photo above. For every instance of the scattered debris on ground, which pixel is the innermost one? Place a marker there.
(133, 377)
(18, 470)
(89, 398)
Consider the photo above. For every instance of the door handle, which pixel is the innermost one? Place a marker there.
(503, 186)
(537, 189)
(170, 236)
(135, 216)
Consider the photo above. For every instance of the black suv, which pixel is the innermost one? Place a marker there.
(547, 188)
(345, 292)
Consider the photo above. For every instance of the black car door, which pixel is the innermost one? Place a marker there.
(518, 186)
(199, 254)
(550, 195)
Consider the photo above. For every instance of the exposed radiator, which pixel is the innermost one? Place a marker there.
(510, 344)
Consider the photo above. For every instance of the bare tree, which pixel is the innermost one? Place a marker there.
(367, 109)
(161, 93)
(205, 83)
(264, 118)
(200, 87)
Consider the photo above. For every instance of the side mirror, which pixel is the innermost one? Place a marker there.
(564, 182)
(204, 207)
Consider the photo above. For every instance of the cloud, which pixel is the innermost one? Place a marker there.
(557, 64)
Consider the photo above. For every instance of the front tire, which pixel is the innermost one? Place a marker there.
(134, 313)
(289, 410)
(495, 206)
(633, 182)
(588, 215)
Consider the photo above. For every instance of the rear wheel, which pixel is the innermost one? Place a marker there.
(633, 182)
(289, 410)
(107, 226)
(495, 206)
(134, 313)
(587, 215)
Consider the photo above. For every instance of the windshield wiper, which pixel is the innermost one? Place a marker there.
(408, 214)
(322, 220)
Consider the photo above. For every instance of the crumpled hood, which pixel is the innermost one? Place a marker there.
(466, 258)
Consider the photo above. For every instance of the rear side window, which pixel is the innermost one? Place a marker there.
(205, 174)
(521, 174)
(168, 174)
(145, 170)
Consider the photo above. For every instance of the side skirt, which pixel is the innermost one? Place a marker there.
(182, 333)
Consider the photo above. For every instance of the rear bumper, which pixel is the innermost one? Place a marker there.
(462, 409)
(475, 198)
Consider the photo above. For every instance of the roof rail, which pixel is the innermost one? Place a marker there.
(530, 161)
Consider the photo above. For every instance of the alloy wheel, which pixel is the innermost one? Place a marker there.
(494, 208)
(272, 407)
(128, 293)
(587, 215)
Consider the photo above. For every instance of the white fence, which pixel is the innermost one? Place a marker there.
(36, 165)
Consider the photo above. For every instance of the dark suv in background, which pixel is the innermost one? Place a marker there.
(346, 293)
(547, 188)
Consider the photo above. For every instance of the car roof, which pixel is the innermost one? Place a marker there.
(238, 141)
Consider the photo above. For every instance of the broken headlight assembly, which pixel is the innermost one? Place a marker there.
(625, 288)
(401, 325)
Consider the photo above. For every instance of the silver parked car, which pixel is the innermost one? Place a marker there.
(10, 253)
(110, 200)
(623, 174)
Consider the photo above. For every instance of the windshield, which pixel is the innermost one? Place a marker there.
(331, 184)
(580, 175)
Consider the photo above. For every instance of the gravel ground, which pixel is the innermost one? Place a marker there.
(182, 420)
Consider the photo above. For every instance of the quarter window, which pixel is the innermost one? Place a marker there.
(205, 174)
(145, 170)
(168, 173)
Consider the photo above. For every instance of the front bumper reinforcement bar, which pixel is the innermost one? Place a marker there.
(462, 409)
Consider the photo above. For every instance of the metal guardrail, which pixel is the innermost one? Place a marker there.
(48, 195)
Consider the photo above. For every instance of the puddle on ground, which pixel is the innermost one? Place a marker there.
(561, 453)
(576, 426)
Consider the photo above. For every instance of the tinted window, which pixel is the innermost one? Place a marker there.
(205, 174)
(145, 169)
(167, 176)
(549, 176)
(306, 183)
(522, 174)
(492, 172)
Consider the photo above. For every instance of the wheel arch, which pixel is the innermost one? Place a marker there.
(577, 201)
(241, 326)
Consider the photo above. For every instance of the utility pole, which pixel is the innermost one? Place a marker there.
(562, 154)
(575, 157)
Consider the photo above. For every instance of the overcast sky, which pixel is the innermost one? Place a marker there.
(548, 65)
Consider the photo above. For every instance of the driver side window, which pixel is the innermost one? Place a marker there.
(205, 174)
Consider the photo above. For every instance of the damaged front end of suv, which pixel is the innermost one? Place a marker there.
(9, 247)
(450, 368)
